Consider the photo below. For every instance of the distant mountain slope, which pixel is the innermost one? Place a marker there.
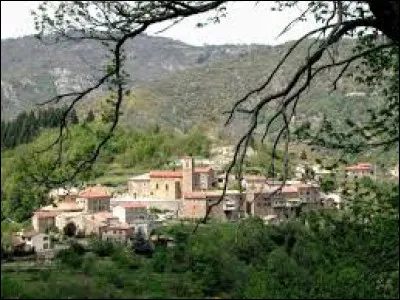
(199, 95)
(32, 71)
(173, 84)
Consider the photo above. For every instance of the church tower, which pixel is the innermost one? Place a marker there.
(187, 174)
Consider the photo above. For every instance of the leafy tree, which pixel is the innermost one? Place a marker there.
(74, 117)
(141, 245)
(90, 116)
(328, 184)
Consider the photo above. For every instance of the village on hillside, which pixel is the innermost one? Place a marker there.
(185, 193)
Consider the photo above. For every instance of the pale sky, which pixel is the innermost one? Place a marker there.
(245, 23)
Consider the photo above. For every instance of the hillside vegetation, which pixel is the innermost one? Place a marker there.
(339, 254)
(128, 153)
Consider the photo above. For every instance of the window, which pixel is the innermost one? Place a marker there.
(156, 186)
(114, 232)
(28, 239)
(45, 238)
(45, 246)
(166, 187)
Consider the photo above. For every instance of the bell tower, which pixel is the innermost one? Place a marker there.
(187, 174)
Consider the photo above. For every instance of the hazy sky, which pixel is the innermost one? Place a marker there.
(246, 23)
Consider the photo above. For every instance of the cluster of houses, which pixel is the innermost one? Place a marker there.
(186, 192)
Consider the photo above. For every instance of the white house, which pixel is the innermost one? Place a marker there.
(37, 241)
(128, 212)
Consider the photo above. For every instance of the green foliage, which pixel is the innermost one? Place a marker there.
(26, 126)
(328, 184)
(329, 254)
(24, 167)
(261, 162)
(100, 247)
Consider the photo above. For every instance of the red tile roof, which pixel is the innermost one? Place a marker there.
(285, 189)
(165, 174)
(133, 205)
(41, 214)
(104, 214)
(359, 167)
(202, 169)
(289, 189)
(95, 192)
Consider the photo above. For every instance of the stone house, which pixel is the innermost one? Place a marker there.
(97, 222)
(171, 184)
(166, 185)
(139, 186)
(94, 199)
(131, 211)
(44, 218)
(196, 203)
(309, 194)
(118, 233)
(289, 202)
(359, 170)
(36, 241)
(77, 218)
(43, 221)
(254, 182)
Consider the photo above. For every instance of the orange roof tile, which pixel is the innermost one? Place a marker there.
(359, 167)
(165, 174)
(202, 169)
(41, 214)
(95, 192)
(289, 189)
(285, 189)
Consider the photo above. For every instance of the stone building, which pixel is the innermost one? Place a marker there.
(70, 217)
(94, 199)
(196, 203)
(359, 170)
(42, 221)
(288, 202)
(171, 184)
(129, 212)
(36, 241)
(95, 223)
(118, 233)
(139, 186)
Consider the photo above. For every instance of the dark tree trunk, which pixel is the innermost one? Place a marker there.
(387, 15)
